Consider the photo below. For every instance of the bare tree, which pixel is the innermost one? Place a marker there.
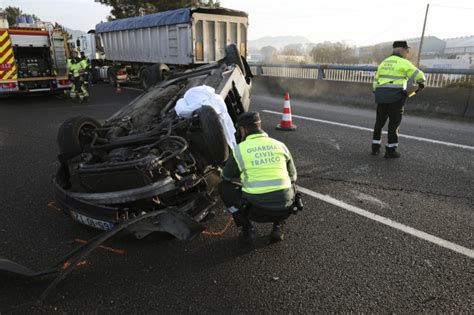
(293, 50)
(268, 53)
(328, 52)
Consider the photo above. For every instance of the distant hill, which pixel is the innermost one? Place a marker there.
(277, 41)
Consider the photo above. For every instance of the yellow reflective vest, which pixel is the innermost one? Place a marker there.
(74, 68)
(395, 71)
(84, 63)
(262, 162)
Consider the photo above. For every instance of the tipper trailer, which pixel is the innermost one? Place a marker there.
(147, 48)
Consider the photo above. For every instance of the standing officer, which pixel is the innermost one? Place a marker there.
(76, 70)
(85, 74)
(267, 175)
(73, 65)
(84, 61)
(87, 67)
(389, 86)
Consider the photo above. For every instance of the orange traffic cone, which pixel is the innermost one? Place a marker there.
(286, 123)
(118, 89)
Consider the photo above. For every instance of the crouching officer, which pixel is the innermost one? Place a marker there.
(389, 86)
(267, 174)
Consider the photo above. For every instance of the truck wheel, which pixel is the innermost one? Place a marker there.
(233, 57)
(75, 134)
(156, 73)
(215, 148)
(95, 75)
(146, 79)
(112, 76)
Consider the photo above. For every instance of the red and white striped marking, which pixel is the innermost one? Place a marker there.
(286, 120)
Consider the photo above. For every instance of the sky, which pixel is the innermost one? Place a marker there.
(361, 22)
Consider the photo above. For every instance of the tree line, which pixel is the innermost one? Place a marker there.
(325, 53)
(14, 12)
(128, 8)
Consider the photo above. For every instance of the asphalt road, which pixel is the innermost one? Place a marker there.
(332, 260)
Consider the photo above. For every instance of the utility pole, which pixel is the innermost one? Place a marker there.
(422, 36)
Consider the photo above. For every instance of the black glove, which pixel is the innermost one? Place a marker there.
(421, 86)
(297, 204)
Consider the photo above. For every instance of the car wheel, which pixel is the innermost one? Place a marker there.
(215, 148)
(233, 57)
(75, 134)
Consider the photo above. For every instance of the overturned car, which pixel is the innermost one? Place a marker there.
(148, 161)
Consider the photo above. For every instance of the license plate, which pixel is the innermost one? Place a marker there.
(98, 224)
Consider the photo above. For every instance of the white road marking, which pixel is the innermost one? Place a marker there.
(399, 226)
(462, 146)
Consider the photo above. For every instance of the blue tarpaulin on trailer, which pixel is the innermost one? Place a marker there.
(178, 16)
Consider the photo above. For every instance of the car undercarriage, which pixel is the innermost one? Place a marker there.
(145, 169)
(147, 158)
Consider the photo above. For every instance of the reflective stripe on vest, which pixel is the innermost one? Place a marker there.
(395, 71)
(262, 164)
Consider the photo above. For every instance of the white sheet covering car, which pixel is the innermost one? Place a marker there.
(199, 96)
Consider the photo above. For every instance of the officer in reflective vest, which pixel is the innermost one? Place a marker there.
(74, 68)
(86, 75)
(87, 67)
(389, 86)
(84, 61)
(267, 176)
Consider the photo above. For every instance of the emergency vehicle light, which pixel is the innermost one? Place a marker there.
(10, 85)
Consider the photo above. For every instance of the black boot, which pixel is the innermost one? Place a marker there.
(276, 234)
(391, 153)
(248, 234)
(375, 148)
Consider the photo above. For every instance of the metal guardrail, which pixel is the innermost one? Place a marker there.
(362, 74)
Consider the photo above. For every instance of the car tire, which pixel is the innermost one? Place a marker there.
(233, 57)
(71, 137)
(215, 149)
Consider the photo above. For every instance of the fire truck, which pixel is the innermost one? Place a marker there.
(33, 58)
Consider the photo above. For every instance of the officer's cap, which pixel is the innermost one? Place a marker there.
(401, 44)
(249, 120)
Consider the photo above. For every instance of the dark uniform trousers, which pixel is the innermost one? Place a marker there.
(77, 81)
(231, 195)
(394, 113)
